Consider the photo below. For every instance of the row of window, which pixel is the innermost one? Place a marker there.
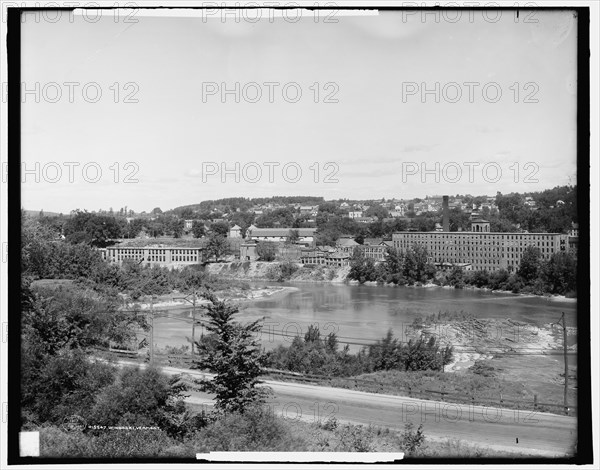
(497, 251)
(470, 236)
(492, 247)
(136, 251)
(184, 258)
(474, 262)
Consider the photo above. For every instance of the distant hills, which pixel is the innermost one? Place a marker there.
(36, 213)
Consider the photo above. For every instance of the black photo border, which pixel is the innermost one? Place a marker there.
(584, 420)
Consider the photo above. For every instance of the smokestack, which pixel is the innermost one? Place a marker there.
(445, 215)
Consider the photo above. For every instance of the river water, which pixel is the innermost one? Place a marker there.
(362, 314)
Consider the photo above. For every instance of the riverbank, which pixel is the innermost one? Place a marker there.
(528, 358)
(173, 301)
(269, 271)
(476, 339)
(430, 285)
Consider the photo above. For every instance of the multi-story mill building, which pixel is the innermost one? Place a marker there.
(169, 256)
(480, 248)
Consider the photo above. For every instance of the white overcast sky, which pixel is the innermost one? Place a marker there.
(371, 133)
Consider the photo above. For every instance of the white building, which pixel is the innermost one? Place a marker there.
(235, 232)
(279, 234)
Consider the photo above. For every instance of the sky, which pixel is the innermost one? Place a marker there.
(498, 112)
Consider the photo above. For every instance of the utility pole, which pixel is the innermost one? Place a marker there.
(152, 330)
(564, 326)
(562, 321)
(193, 322)
(194, 295)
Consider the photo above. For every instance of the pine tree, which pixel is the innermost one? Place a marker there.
(235, 356)
(530, 264)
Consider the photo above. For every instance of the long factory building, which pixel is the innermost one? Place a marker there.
(480, 249)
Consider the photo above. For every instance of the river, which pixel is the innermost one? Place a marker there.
(362, 314)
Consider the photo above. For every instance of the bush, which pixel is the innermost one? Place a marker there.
(288, 269)
(355, 439)
(282, 271)
(257, 429)
(481, 368)
(266, 251)
(66, 385)
(331, 424)
(110, 443)
(513, 284)
(142, 397)
(412, 440)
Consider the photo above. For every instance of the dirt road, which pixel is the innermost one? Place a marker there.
(497, 428)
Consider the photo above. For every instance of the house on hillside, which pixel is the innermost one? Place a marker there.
(235, 232)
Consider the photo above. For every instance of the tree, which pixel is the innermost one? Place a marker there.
(386, 353)
(362, 269)
(217, 246)
(266, 251)
(293, 237)
(456, 277)
(459, 220)
(58, 327)
(416, 266)
(312, 335)
(176, 227)
(331, 343)
(426, 354)
(198, 229)
(187, 213)
(480, 278)
(327, 236)
(530, 264)
(135, 227)
(235, 357)
(425, 222)
(156, 228)
(498, 279)
(394, 263)
(282, 217)
(220, 228)
(98, 229)
(559, 273)
(377, 211)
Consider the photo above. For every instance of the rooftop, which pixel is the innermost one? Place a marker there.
(163, 242)
(281, 232)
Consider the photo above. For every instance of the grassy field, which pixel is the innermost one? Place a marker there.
(503, 381)
(495, 388)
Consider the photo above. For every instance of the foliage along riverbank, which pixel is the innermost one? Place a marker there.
(295, 272)
(535, 274)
